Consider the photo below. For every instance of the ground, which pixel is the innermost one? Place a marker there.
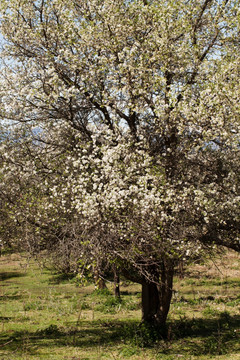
(46, 316)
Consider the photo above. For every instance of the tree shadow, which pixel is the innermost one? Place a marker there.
(60, 278)
(204, 327)
(6, 275)
(199, 336)
(5, 318)
(130, 292)
(11, 297)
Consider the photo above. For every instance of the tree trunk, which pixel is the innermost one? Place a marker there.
(150, 302)
(100, 284)
(116, 281)
(156, 297)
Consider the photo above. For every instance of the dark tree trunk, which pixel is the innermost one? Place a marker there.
(165, 291)
(116, 282)
(156, 297)
(150, 302)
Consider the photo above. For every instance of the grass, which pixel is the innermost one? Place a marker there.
(45, 316)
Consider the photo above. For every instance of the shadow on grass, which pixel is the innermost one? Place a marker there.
(5, 318)
(199, 336)
(11, 297)
(6, 275)
(130, 292)
(60, 278)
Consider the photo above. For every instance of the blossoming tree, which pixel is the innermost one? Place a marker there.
(133, 114)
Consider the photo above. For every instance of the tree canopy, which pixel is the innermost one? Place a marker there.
(124, 123)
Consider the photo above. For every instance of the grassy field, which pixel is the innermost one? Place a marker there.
(44, 316)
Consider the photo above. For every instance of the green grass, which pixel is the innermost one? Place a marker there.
(46, 316)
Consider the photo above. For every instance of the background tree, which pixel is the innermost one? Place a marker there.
(136, 107)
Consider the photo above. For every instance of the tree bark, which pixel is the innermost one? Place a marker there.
(165, 292)
(99, 281)
(150, 302)
(156, 297)
(116, 282)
